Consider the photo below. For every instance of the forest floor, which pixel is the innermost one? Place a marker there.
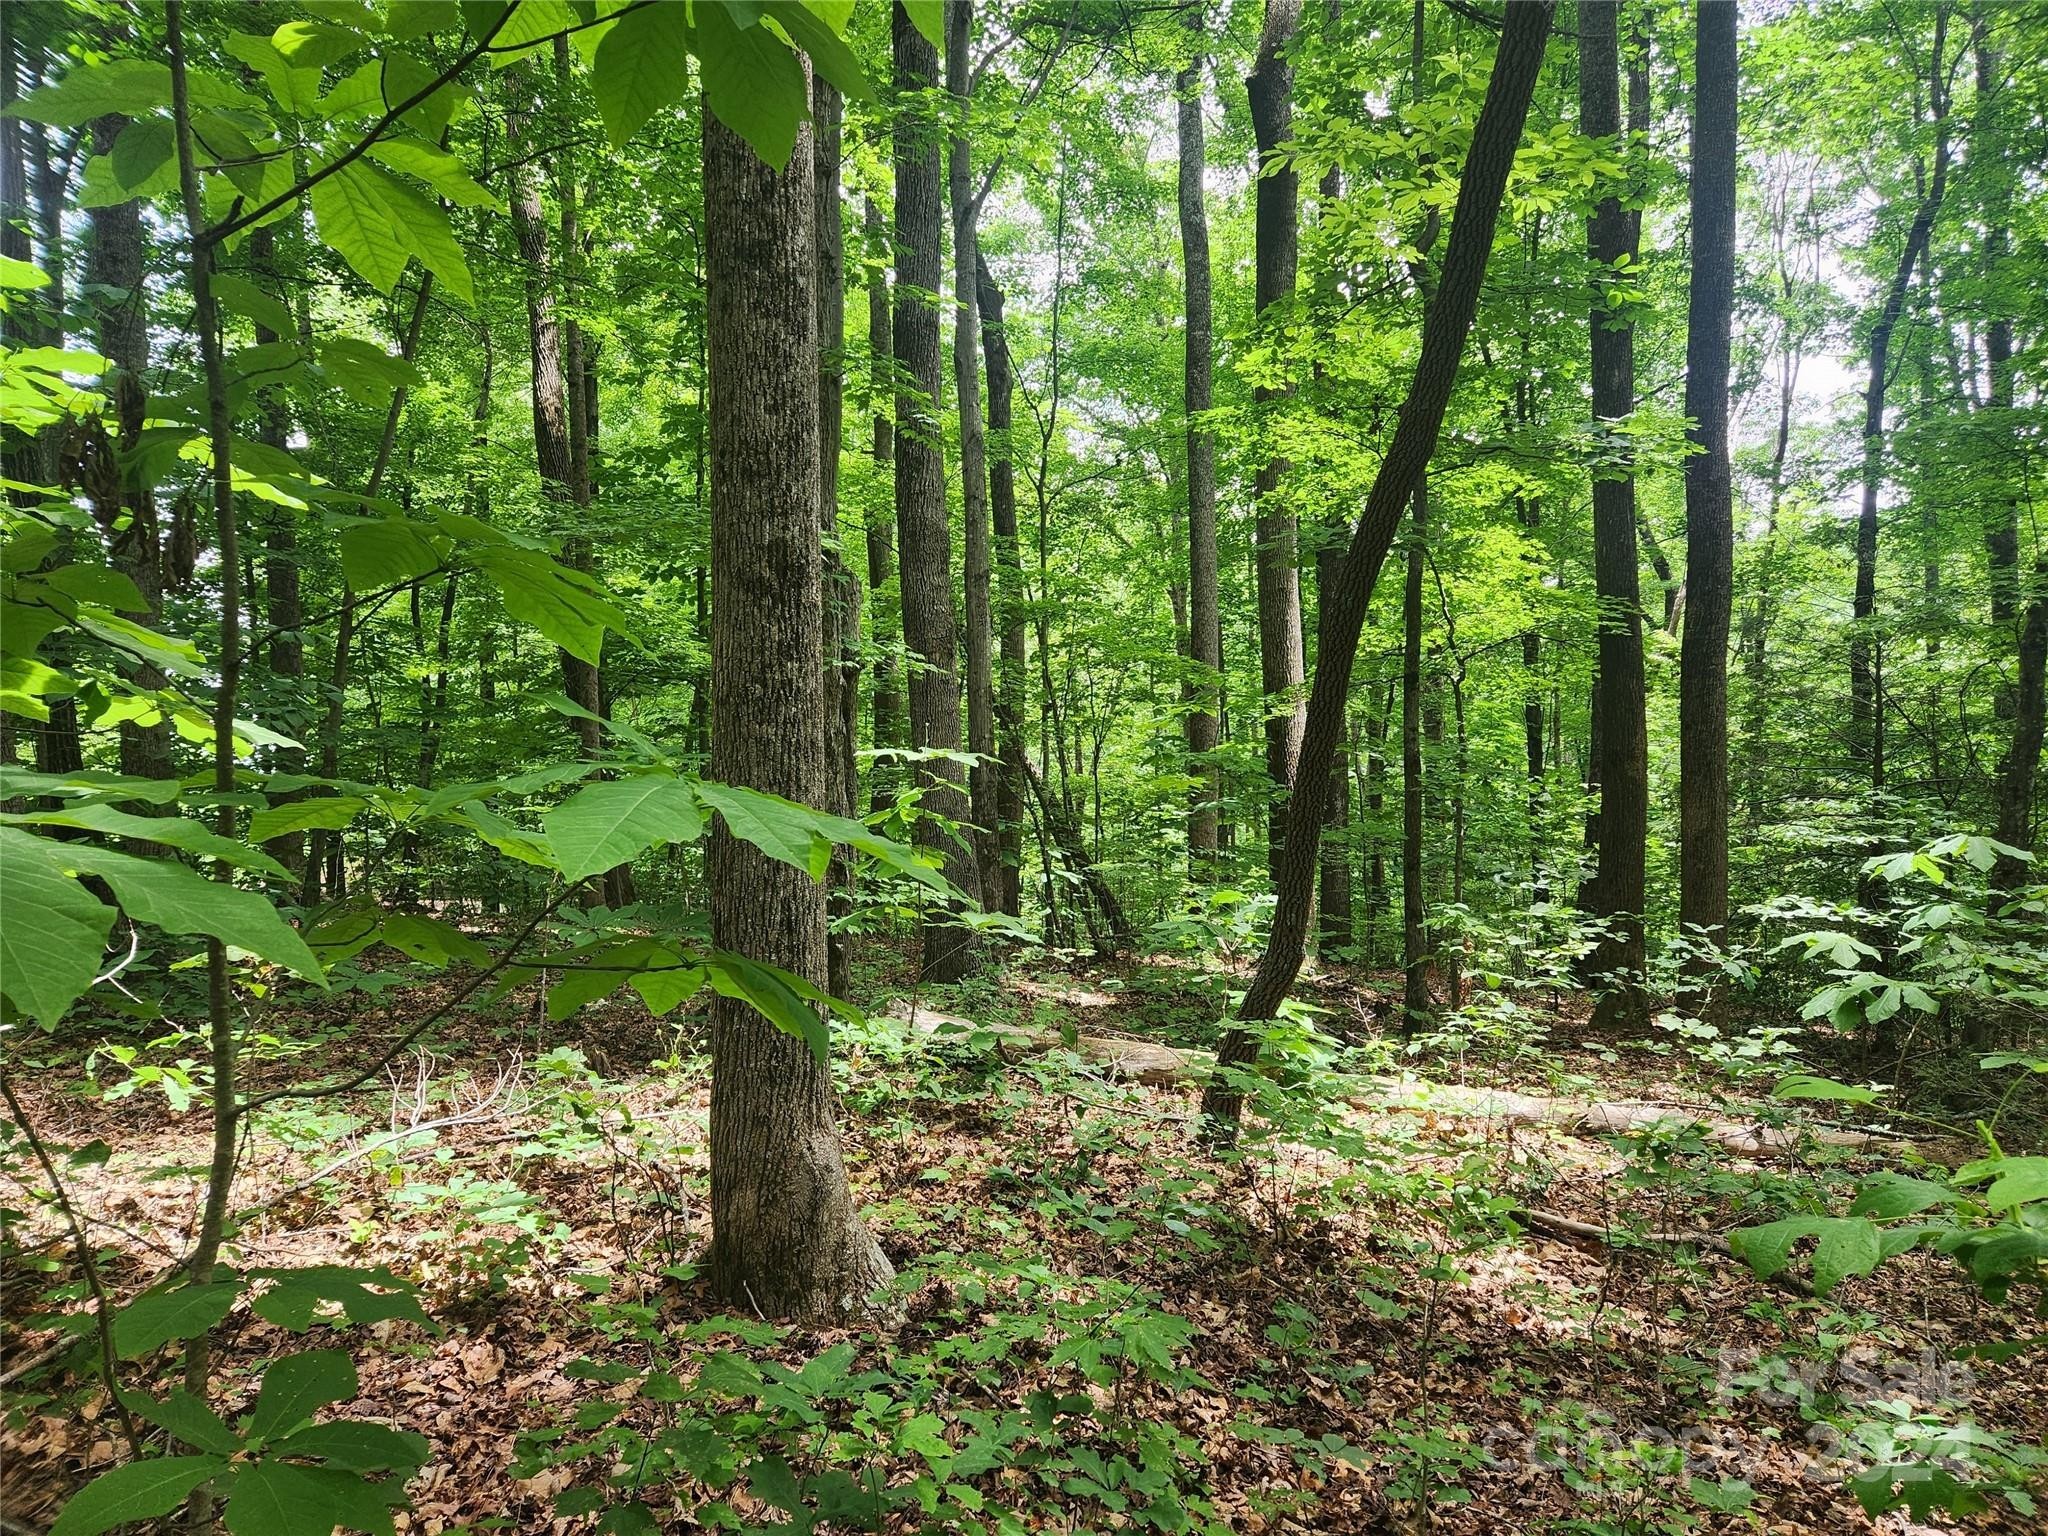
(1343, 1328)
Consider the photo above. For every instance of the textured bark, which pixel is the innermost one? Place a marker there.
(976, 609)
(923, 531)
(1002, 498)
(1618, 700)
(1866, 724)
(1205, 624)
(1709, 491)
(889, 726)
(785, 1236)
(1415, 999)
(1271, 90)
(1114, 931)
(839, 643)
(1445, 326)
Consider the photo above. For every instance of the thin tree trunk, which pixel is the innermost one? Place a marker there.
(1271, 91)
(1011, 678)
(923, 529)
(1205, 625)
(1618, 690)
(889, 726)
(786, 1239)
(1416, 1003)
(1445, 326)
(1709, 490)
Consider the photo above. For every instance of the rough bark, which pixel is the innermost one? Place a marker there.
(1618, 701)
(1205, 624)
(1709, 491)
(1010, 679)
(978, 643)
(888, 725)
(923, 530)
(1276, 237)
(786, 1238)
(1445, 326)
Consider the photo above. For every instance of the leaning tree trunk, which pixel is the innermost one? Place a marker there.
(979, 642)
(1205, 624)
(786, 1240)
(1618, 700)
(922, 526)
(1011, 677)
(1448, 320)
(1276, 241)
(1709, 493)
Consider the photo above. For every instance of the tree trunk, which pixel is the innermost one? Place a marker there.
(1271, 90)
(889, 726)
(1445, 326)
(1010, 681)
(923, 530)
(1415, 998)
(979, 643)
(786, 1239)
(1205, 624)
(1618, 690)
(1709, 492)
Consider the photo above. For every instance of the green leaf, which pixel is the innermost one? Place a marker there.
(1801, 1085)
(142, 152)
(2020, 1181)
(780, 828)
(513, 841)
(315, 44)
(183, 901)
(357, 1446)
(354, 219)
(1889, 1196)
(437, 168)
(158, 1316)
(752, 82)
(126, 86)
(614, 821)
(55, 933)
(299, 1386)
(366, 1295)
(774, 994)
(563, 605)
(327, 812)
(532, 22)
(929, 17)
(171, 831)
(386, 552)
(422, 225)
(828, 52)
(187, 1418)
(1847, 1245)
(431, 941)
(280, 1498)
(365, 372)
(141, 1490)
(641, 66)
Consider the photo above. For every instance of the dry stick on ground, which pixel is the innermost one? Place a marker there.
(1449, 319)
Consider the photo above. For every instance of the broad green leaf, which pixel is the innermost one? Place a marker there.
(326, 812)
(354, 219)
(562, 605)
(357, 1446)
(299, 1386)
(158, 1316)
(437, 168)
(97, 584)
(365, 372)
(613, 821)
(171, 831)
(189, 1419)
(365, 1295)
(55, 933)
(1846, 1245)
(294, 87)
(280, 1498)
(125, 86)
(386, 552)
(316, 44)
(1889, 1196)
(773, 993)
(827, 50)
(431, 941)
(144, 156)
(141, 1490)
(641, 66)
(422, 226)
(780, 828)
(2020, 1181)
(531, 23)
(929, 17)
(1801, 1085)
(183, 901)
(752, 82)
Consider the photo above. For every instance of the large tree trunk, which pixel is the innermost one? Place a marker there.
(1709, 492)
(923, 530)
(1271, 90)
(979, 645)
(1205, 624)
(1415, 998)
(1445, 326)
(1618, 702)
(1866, 715)
(786, 1240)
(840, 641)
(1010, 681)
(889, 727)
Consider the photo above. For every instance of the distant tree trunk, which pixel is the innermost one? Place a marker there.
(1271, 90)
(840, 639)
(1709, 491)
(1866, 716)
(1416, 1004)
(1010, 682)
(1333, 878)
(979, 642)
(1618, 690)
(1205, 625)
(1375, 808)
(922, 525)
(1114, 932)
(1446, 324)
(786, 1239)
(889, 726)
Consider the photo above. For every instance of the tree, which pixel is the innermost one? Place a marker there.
(1205, 624)
(1013, 678)
(1449, 319)
(1618, 885)
(786, 1239)
(924, 534)
(1709, 489)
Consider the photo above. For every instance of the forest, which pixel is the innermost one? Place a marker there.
(1189, 766)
